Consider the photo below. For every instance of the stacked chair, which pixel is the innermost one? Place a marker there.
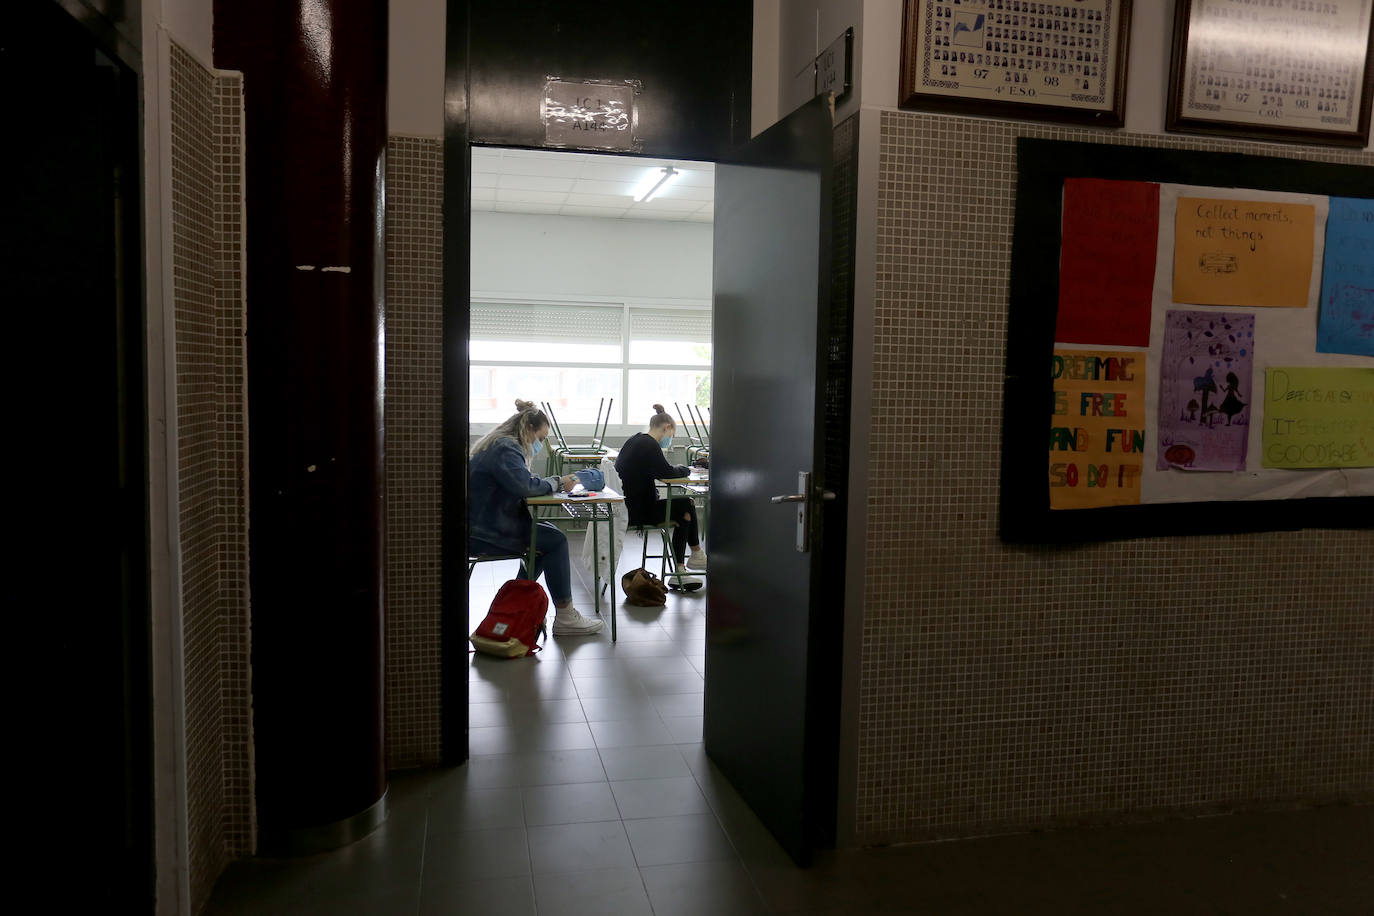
(589, 454)
(698, 432)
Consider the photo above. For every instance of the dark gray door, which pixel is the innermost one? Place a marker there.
(771, 686)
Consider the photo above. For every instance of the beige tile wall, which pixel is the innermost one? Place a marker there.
(414, 332)
(240, 818)
(1012, 688)
(208, 312)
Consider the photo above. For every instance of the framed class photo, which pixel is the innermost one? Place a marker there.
(1273, 69)
(1045, 61)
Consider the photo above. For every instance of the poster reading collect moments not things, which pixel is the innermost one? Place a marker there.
(1187, 318)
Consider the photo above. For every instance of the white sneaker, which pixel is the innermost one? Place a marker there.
(697, 561)
(683, 582)
(570, 623)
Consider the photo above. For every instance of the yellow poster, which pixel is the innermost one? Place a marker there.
(1097, 428)
(1316, 417)
(1243, 252)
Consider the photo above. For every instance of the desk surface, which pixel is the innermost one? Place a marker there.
(606, 495)
(611, 453)
(703, 481)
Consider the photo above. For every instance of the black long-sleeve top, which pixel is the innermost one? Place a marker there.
(640, 463)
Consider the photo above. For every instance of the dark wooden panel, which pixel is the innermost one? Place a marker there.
(694, 63)
(78, 500)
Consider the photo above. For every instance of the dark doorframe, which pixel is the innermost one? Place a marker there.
(72, 71)
(696, 73)
(453, 494)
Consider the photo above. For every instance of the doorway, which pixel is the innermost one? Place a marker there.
(785, 288)
(590, 296)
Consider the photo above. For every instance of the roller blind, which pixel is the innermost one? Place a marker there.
(546, 323)
(670, 324)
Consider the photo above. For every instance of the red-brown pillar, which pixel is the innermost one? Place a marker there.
(315, 140)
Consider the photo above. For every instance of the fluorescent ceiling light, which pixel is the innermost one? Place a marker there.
(653, 183)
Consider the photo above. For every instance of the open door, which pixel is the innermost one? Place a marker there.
(772, 653)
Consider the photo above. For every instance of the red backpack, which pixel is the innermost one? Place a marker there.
(514, 622)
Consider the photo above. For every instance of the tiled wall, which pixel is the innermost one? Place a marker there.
(1009, 688)
(230, 324)
(208, 308)
(414, 330)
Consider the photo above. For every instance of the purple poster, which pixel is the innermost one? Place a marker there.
(1205, 390)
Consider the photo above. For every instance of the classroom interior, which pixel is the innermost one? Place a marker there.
(1134, 725)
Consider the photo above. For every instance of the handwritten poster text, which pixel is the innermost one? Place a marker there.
(1097, 428)
(1241, 252)
(1317, 417)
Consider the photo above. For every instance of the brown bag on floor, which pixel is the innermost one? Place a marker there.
(643, 589)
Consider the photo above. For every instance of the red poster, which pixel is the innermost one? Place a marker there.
(1107, 262)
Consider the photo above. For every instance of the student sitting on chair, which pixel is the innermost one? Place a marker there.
(641, 462)
(499, 479)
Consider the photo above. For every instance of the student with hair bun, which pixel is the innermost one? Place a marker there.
(499, 479)
(640, 464)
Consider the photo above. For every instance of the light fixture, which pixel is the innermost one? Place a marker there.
(653, 183)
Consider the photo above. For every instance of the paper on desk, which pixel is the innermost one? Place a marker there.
(591, 559)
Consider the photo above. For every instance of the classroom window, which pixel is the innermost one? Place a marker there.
(669, 387)
(574, 391)
(577, 356)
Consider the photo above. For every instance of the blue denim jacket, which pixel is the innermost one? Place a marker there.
(498, 482)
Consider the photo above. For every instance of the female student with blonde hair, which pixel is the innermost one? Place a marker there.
(499, 480)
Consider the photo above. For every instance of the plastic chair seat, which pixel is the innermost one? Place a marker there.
(474, 559)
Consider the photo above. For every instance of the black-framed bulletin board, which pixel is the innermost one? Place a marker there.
(1194, 334)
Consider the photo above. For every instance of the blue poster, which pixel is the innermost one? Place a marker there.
(1346, 324)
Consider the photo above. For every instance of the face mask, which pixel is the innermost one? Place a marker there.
(538, 446)
(665, 442)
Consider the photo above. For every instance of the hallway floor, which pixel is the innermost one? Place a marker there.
(588, 793)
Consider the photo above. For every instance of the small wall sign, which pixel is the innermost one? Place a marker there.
(591, 114)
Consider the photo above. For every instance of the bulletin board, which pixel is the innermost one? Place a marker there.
(1194, 335)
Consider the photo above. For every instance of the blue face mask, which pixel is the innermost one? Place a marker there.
(538, 446)
(665, 442)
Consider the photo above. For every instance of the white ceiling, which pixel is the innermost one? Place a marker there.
(587, 184)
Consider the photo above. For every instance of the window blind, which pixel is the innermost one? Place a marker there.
(670, 324)
(546, 323)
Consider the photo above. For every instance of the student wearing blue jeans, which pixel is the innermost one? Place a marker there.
(499, 480)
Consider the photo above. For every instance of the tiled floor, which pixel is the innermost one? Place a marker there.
(588, 793)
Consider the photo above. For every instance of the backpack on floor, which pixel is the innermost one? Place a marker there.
(514, 622)
(643, 589)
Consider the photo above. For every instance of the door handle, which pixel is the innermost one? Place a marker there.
(803, 496)
(826, 495)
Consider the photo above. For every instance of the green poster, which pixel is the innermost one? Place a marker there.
(1317, 417)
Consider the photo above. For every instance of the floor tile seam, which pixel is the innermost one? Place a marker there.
(657, 716)
(714, 805)
(529, 847)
